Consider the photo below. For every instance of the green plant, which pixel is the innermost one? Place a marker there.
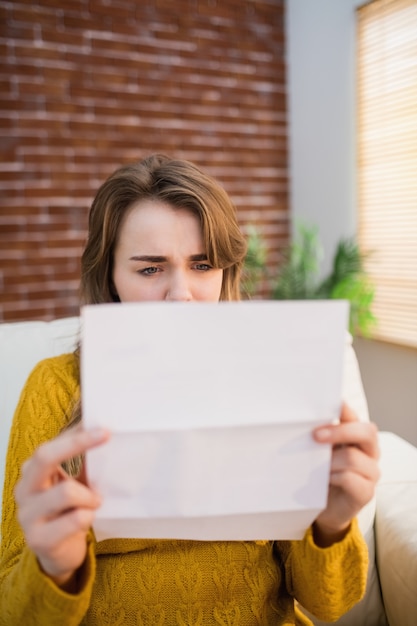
(299, 269)
(254, 269)
(298, 275)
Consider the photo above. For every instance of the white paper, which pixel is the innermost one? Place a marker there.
(211, 408)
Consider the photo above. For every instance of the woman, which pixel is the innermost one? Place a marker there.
(162, 230)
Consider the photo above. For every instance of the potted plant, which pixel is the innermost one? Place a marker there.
(298, 275)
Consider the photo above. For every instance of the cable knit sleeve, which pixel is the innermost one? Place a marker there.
(327, 582)
(27, 596)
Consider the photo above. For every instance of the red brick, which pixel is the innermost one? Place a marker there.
(33, 14)
(60, 37)
(88, 86)
(115, 9)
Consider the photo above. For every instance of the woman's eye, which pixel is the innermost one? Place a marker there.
(202, 267)
(148, 271)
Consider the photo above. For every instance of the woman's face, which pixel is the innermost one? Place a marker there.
(160, 255)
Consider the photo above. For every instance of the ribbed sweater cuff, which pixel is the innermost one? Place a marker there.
(339, 548)
(52, 600)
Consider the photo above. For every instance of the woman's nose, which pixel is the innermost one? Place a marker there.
(179, 288)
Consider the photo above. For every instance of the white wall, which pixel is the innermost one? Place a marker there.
(321, 86)
(322, 154)
(389, 375)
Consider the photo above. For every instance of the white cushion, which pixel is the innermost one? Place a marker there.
(22, 345)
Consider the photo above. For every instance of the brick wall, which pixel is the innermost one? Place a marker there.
(89, 84)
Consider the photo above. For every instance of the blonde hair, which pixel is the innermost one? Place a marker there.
(179, 184)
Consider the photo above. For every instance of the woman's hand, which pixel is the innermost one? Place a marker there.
(354, 473)
(55, 510)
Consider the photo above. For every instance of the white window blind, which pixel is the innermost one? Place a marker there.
(387, 162)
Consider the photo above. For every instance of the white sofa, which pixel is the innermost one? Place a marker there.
(389, 523)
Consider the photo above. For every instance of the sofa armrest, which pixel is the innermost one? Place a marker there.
(396, 529)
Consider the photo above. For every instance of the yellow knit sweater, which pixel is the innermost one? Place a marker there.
(162, 583)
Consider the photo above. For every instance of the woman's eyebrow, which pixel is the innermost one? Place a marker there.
(149, 258)
(198, 257)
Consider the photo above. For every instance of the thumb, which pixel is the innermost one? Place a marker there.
(347, 414)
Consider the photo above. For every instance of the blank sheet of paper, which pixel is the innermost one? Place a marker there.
(211, 408)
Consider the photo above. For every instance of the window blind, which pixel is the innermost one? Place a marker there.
(387, 162)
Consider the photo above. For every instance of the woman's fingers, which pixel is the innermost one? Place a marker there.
(359, 434)
(59, 499)
(54, 509)
(350, 432)
(352, 484)
(39, 472)
(347, 414)
(46, 537)
(351, 458)
(354, 468)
